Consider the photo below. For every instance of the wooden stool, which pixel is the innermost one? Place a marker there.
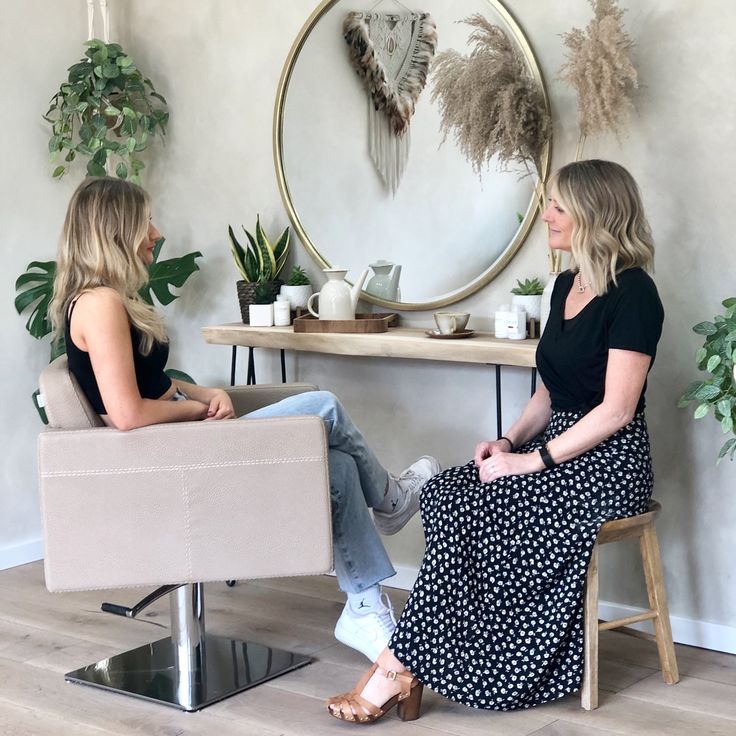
(641, 526)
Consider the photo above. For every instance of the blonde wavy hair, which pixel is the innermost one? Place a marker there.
(106, 221)
(610, 231)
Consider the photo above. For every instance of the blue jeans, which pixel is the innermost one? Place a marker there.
(357, 484)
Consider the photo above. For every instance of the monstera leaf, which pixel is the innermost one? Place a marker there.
(162, 275)
(35, 288)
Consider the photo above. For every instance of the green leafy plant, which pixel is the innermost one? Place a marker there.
(717, 357)
(260, 260)
(263, 294)
(162, 275)
(105, 110)
(528, 287)
(35, 288)
(297, 277)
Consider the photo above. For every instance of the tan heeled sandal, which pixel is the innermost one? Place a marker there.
(352, 707)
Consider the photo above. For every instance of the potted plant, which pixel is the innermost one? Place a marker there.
(297, 288)
(106, 110)
(260, 262)
(528, 295)
(717, 357)
(260, 312)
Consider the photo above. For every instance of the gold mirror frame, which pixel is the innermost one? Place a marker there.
(278, 124)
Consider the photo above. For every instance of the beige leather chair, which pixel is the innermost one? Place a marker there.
(179, 505)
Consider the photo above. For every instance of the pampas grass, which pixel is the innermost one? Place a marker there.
(599, 67)
(490, 102)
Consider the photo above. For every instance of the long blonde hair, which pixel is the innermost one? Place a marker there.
(610, 231)
(106, 221)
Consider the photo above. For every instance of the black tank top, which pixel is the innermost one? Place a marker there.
(149, 369)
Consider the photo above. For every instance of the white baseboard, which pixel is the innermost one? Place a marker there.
(693, 632)
(689, 631)
(20, 554)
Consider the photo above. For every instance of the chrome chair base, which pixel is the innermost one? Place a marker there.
(222, 667)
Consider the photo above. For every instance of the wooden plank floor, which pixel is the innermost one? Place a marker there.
(43, 635)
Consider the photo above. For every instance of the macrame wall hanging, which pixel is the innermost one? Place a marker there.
(391, 52)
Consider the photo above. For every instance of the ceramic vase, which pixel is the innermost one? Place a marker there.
(298, 295)
(531, 304)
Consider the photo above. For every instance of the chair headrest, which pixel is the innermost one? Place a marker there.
(66, 405)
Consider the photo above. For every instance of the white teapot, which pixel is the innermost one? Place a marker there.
(336, 299)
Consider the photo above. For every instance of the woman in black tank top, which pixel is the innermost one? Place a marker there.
(117, 349)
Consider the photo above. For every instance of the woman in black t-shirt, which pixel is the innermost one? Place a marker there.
(495, 617)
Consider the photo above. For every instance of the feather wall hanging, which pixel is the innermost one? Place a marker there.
(391, 53)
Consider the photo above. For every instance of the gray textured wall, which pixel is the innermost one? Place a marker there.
(218, 64)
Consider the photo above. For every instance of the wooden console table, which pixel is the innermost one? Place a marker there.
(398, 342)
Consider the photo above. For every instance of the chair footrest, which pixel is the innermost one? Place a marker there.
(223, 667)
(620, 622)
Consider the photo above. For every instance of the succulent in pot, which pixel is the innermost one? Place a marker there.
(528, 295)
(297, 288)
(259, 262)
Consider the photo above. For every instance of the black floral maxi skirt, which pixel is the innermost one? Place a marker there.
(495, 619)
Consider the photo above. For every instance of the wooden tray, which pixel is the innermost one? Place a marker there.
(366, 323)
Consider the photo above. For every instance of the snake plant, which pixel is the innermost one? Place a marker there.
(260, 260)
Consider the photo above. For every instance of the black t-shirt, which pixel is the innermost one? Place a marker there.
(573, 353)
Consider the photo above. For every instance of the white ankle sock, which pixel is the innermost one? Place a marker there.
(393, 495)
(368, 601)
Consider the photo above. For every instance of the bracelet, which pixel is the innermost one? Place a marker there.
(549, 463)
(511, 444)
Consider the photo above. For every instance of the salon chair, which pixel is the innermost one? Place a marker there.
(178, 505)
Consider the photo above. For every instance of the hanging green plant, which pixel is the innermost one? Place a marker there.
(105, 110)
(717, 358)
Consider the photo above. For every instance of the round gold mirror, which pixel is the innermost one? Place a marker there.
(450, 231)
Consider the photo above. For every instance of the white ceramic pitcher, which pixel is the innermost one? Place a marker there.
(385, 282)
(336, 299)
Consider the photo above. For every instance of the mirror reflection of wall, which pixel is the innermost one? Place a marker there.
(444, 226)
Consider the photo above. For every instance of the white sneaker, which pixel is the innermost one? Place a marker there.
(410, 483)
(367, 632)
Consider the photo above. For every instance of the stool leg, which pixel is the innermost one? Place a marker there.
(658, 602)
(589, 690)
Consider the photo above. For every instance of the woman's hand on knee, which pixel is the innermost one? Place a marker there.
(484, 450)
(500, 464)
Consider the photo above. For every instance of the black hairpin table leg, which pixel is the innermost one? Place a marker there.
(233, 363)
(499, 420)
(251, 377)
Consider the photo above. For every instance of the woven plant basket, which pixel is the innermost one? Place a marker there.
(247, 295)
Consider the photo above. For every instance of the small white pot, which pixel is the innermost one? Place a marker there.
(261, 315)
(532, 305)
(298, 295)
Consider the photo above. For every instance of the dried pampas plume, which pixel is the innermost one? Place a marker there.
(599, 67)
(489, 100)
